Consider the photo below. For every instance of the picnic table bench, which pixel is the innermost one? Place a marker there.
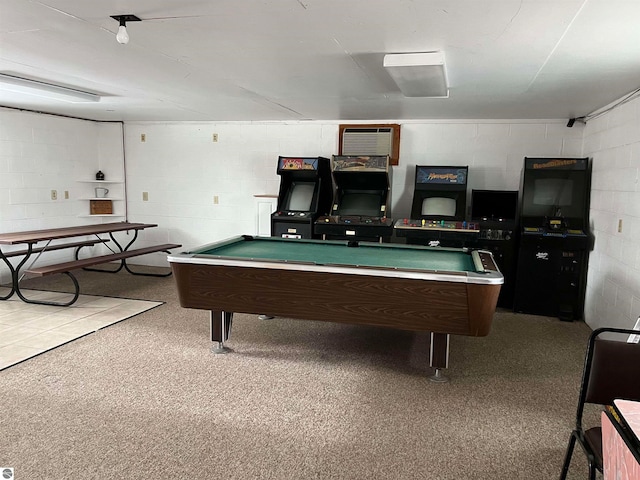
(30, 238)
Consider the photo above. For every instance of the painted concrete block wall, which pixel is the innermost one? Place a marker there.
(182, 173)
(40, 153)
(494, 152)
(613, 285)
(182, 169)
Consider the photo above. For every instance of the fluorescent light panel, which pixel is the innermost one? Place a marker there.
(11, 83)
(418, 74)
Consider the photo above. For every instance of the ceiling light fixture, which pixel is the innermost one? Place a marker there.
(122, 36)
(418, 74)
(12, 83)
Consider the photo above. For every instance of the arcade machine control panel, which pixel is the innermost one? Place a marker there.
(359, 225)
(437, 232)
(294, 214)
(408, 223)
(567, 238)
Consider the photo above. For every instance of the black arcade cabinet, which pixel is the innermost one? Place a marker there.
(555, 239)
(495, 213)
(306, 192)
(361, 200)
(439, 209)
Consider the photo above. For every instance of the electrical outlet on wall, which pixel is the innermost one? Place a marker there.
(54, 194)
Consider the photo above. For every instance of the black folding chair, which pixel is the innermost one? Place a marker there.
(611, 371)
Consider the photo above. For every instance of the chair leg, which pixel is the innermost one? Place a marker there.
(567, 457)
(592, 471)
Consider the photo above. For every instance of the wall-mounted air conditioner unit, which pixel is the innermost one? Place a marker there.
(371, 140)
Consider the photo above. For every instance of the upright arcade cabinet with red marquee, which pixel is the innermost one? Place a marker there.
(555, 240)
(306, 191)
(439, 209)
(361, 200)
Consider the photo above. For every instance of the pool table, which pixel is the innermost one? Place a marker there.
(409, 287)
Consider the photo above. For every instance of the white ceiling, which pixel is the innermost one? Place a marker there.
(226, 60)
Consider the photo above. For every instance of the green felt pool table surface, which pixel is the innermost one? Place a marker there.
(339, 253)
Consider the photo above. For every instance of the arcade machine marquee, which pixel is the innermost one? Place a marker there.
(361, 200)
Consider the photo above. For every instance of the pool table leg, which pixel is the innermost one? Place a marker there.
(439, 355)
(220, 326)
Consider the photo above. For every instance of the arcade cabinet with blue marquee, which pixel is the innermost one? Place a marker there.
(439, 209)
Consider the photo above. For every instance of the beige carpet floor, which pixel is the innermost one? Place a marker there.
(146, 399)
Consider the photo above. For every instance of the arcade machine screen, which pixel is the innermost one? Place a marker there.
(494, 205)
(552, 191)
(300, 196)
(361, 200)
(306, 191)
(554, 197)
(438, 207)
(438, 212)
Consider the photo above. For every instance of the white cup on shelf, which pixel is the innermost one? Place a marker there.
(101, 192)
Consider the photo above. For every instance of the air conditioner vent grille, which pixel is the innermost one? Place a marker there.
(367, 142)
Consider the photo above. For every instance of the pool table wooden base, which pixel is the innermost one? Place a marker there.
(439, 307)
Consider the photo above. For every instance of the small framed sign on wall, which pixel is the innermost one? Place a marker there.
(370, 139)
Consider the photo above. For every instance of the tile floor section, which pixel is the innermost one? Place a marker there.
(27, 330)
